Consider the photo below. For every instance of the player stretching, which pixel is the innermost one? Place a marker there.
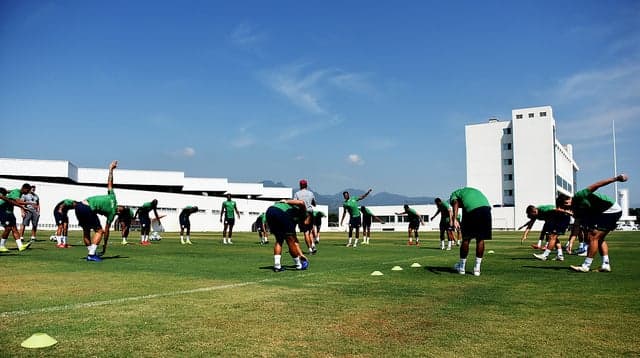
(185, 223)
(415, 220)
(229, 210)
(446, 218)
(476, 224)
(351, 205)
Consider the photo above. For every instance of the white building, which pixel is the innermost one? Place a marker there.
(57, 180)
(394, 222)
(519, 162)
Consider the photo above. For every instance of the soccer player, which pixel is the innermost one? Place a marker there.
(185, 223)
(367, 216)
(262, 228)
(282, 218)
(30, 213)
(60, 214)
(87, 213)
(556, 221)
(229, 210)
(415, 220)
(351, 205)
(446, 218)
(306, 226)
(599, 214)
(125, 217)
(145, 221)
(476, 224)
(9, 199)
(317, 224)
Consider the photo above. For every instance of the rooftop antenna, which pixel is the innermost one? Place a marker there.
(615, 160)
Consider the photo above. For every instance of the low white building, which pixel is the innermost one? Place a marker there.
(57, 180)
(394, 222)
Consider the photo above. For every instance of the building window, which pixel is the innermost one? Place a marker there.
(508, 193)
(543, 114)
(506, 131)
(507, 161)
(508, 177)
(531, 115)
(506, 146)
(518, 116)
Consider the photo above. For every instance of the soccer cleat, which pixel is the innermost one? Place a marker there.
(189, 242)
(60, 246)
(582, 253)
(476, 272)
(448, 248)
(124, 243)
(580, 268)
(314, 251)
(417, 243)
(4, 249)
(230, 242)
(558, 258)
(605, 268)
(278, 269)
(409, 243)
(458, 267)
(94, 258)
(303, 265)
(535, 246)
(540, 257)
(145, 243)
(24, 247)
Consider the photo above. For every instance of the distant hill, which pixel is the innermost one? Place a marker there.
(335, 201)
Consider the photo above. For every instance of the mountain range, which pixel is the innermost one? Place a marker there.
(334, 201)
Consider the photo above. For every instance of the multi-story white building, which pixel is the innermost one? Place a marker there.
(519, 162)
(58, 179)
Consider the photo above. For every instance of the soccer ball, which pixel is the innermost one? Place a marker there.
(52, 238)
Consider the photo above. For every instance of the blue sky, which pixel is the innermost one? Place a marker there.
(348, 94)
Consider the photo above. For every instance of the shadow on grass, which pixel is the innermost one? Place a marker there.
(109, 257)
(440, 269)
(286, 267)
(555, 268)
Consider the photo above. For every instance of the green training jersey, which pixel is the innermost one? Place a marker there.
(352, 207)
(262, 218)
(586, 202)
(229, 206)
(318, 214)
(296, 214)
(545, 212)
(470, 199)
(104, 205)
(444, 211)
(6, 206)
(413, 215)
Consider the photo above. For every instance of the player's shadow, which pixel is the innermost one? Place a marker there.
(554, 268)
(287, 268)
(110, 257)
(440, 269)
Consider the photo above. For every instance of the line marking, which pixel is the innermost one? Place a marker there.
(122, 300)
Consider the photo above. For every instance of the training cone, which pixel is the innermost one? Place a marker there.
(491, 252)
(376, 273)
(396, 268)
(415, 264)
(39, 340)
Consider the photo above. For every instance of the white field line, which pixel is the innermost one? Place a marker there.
(10, 314)
(122, 300)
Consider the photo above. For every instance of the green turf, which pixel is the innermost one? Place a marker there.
(210, 299)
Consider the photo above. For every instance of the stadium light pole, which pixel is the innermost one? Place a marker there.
(615, 159)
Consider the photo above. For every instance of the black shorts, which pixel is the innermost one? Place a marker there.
(602, 222)
(229, 221)
(354, 222)
(414, 225)
(184, 221)
(61, 218)
(145, 221)
(476, 224)
(7, 219)
(558, 224)
(366, 223)
(87, 219)
(445, 226)
(305, 227)
(280, 224)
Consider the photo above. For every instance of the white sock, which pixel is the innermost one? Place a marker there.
(64, 239)
(276, 261)
(19, 242)
(350, 239)
(92, 249)
(449, 246)
(546, 252)
(188, 237)
(539, 242)
(355, 243)
(3, 242)
(59, 239)
(478, 263)
(560, 252)
(587, 262)
(296, 260)
(605, 259)
(463, 262)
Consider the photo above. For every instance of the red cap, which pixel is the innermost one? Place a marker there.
(303, 182)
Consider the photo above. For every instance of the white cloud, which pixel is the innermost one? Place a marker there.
(246, 37)
(186, 152)
(355, 159)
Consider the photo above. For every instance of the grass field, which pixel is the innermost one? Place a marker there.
(209, 299)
